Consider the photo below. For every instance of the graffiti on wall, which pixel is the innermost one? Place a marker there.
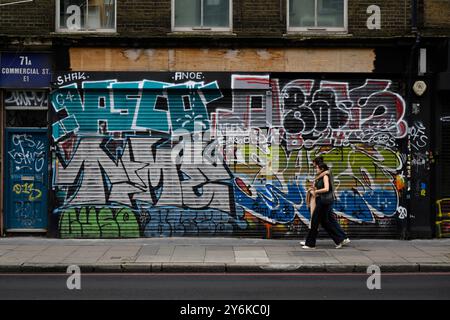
(27, 153)
(443, 218)
(154, 158)
(131, 106)
(26, 98)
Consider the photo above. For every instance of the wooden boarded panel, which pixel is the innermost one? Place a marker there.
(251, 60)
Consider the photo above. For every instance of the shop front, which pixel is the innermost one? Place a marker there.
(151, 154)
(24, 87)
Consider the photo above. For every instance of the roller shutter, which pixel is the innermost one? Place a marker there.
(147, 158)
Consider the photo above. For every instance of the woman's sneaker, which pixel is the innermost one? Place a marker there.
(302, 243)
(307, 247)
(343, 243)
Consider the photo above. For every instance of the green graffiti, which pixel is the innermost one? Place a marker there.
(95, 222)
(367, 167)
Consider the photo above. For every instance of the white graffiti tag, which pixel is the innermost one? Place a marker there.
(418, 136)
(27, 153)
(402, 212)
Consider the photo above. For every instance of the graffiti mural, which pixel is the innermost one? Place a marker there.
(226, 155)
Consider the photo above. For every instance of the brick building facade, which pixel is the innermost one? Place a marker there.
(303, 78)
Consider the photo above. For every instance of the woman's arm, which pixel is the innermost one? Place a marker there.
(322, 174)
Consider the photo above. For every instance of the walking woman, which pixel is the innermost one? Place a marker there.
(322, 214)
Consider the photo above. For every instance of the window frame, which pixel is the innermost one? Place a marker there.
(200, 28)
(316, 29)
(58, 28)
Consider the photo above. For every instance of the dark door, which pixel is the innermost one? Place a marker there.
(26, 179)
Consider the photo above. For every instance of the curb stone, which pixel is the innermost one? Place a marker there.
(280, 267)
(222, 268)
(41, 267)
(136, 267)
(414, 267)
(156, 267)
(170, 267)
(337, 268)
(108, 268)
(430, 267)
(236, 268)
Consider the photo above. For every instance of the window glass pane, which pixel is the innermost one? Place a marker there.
(26, 118)
(72, 14)
(78, 15)
(101, 14)
(216, 13)
(187, 13)
(301, 13)
(330, 13)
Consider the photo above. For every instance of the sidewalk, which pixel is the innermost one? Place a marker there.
(32, 254)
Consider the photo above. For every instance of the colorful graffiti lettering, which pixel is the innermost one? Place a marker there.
(140, 105)
(332, 114)
(179, 161)
(98, 222)
(364, 184)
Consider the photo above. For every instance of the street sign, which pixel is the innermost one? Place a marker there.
(25, 70)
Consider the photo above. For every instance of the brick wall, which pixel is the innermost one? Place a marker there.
(139, 18)
(143, 17)
(259, 17)
(28, 19)
(436, 13)
(395, 17)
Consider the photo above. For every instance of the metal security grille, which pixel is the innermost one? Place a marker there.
(147, 158)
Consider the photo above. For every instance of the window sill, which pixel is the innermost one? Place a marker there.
(77, 33)
(317, 33)
(201, 33)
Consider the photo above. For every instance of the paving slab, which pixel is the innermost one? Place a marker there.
(25, 254)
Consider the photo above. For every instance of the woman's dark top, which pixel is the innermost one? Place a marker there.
(320, 184)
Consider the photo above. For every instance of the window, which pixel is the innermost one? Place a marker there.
(193, 15)
(86, 15)
(316, 15)
(26, 108)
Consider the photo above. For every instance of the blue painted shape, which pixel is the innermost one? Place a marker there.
(126, 99)
(97, 106)
(182, 116)
(149, 116)
(58, 131)
(66, 99)
(352, 205)
(211, 92)
(274, 205)
(26, 179)
(383, 200)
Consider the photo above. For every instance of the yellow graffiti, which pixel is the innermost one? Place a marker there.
(443, 221)
(443, 207)
(27, 188)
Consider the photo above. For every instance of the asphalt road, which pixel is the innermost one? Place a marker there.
(260, 286)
